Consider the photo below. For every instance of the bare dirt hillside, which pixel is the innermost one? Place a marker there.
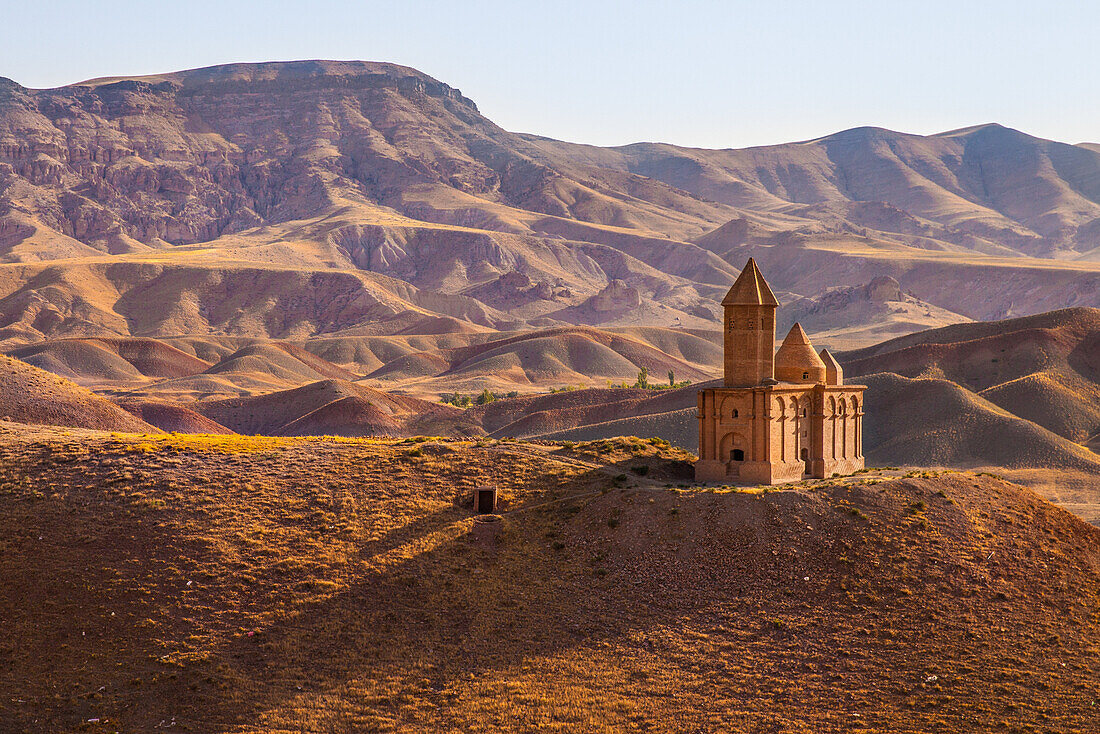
(859, 316)
(31, 395)
(935, 422)
(916, 188)
(237, 584)
(328, 407)
(553, 358)
(111, 361)
(422, 365)
(1044, 368)
(172, 417)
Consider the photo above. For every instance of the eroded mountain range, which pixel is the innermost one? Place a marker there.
(293, 200)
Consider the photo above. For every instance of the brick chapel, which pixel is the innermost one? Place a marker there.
(780, 416)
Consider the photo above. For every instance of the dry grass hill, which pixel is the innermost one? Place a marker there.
(244, 584)
(231, 500)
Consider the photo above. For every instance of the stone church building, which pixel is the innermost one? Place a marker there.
(780, 416)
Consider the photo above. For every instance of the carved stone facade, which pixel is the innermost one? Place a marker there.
(758, 429)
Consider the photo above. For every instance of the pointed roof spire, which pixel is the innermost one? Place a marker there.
(750, 289)
(828, 358)
(797, 335)
(834, 373)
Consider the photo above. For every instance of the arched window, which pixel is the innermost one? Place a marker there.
(735, 414)
(737, 455)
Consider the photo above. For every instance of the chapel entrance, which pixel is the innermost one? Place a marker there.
(733, 468)
(485, 500)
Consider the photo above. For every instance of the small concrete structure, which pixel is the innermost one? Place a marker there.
(780, 416)
(485, 500)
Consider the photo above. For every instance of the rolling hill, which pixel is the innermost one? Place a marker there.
(203, 583)
(33, 396)
(328, 407)
(1044, 368)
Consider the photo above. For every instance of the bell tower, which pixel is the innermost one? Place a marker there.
(749, 329)
(780, 416)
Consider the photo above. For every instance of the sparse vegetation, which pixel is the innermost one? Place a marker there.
(566, 388)
(485, 396)
(226, 558)
(642, 382)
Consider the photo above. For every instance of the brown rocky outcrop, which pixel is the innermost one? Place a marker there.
(615, 296)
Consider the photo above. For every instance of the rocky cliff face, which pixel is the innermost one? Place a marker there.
(189, 157)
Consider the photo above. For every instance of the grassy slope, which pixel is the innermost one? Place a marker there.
(256, 584)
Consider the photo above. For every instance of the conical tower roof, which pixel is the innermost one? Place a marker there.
(750, 289)
(834, 373)
(796, 360)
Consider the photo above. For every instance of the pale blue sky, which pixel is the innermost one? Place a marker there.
(713, 74)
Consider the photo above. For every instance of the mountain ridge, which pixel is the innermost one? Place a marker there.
(371, 169)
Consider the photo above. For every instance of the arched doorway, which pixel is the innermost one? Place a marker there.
(805, 456)
(732, 451)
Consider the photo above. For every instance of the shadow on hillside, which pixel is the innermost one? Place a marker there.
(462, 607)
(1085, 357)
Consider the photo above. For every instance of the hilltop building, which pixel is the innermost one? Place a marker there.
(780, 416)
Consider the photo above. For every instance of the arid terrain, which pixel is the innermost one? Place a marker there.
(265, 327)
(307, 199)
(252, 584)
(1017, 396)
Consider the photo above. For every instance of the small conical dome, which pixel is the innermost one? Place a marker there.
(796, 360)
